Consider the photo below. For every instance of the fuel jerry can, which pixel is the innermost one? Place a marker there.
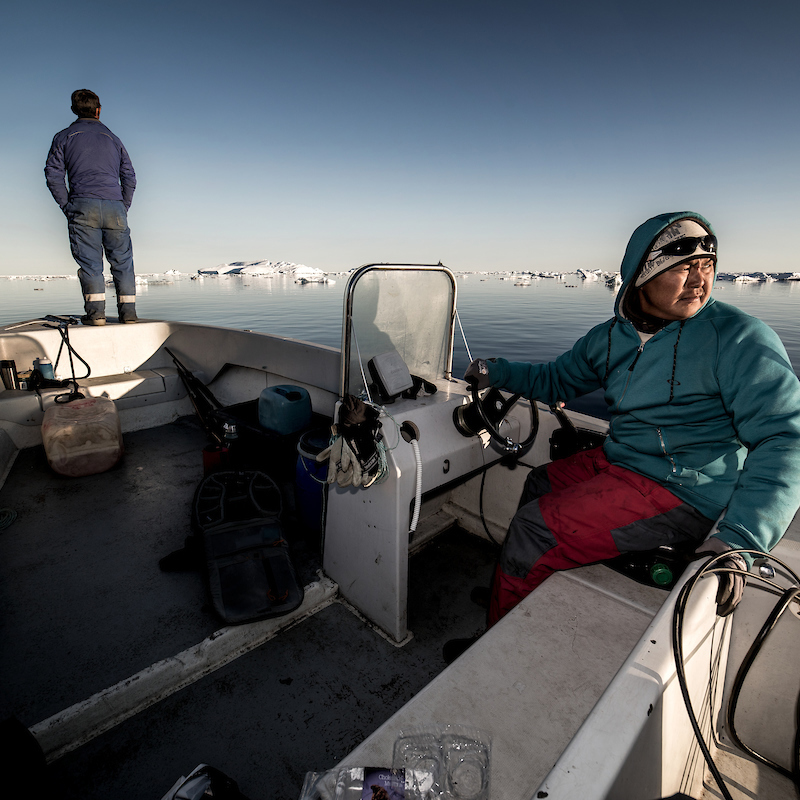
(82, 437)
(284, 410)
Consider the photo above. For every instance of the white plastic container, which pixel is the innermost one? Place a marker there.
(82, 437)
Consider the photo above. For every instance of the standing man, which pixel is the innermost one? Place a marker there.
(101, 185)
(704, 419)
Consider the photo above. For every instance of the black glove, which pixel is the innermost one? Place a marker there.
(478, 373)
(731, 584)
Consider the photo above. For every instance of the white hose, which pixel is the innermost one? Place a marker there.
(418, 491)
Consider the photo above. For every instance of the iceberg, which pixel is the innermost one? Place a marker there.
(265, 269)
(589, 274)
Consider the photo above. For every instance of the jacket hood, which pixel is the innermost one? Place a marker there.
(639, 245)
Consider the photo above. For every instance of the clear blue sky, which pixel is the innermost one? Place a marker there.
(487, 135)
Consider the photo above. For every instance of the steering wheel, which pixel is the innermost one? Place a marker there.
(493, 409)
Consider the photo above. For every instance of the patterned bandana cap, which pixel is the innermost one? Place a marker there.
(658, 262)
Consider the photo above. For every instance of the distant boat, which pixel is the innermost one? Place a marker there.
(314, 278)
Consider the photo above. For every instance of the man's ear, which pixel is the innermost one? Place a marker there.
(97, 113)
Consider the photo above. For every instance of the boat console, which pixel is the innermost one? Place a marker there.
(408, 311)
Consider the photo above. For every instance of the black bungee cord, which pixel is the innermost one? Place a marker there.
(61, 324)
(787, 597)
(790, 595)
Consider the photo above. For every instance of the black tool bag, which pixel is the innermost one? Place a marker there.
(249, 572)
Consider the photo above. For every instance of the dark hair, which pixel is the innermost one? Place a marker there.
(85, 103)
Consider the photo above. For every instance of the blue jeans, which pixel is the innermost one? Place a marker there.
(96, 226)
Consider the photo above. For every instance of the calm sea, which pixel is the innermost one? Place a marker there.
(536, 322)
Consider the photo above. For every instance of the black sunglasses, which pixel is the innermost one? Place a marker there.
(687, 245)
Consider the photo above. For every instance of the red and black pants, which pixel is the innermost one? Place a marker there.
(580, 510)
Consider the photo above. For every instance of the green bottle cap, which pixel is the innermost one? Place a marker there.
(661, 574)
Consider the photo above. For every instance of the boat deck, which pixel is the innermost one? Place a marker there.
(84, 603)
(88, 617)
(85, 607)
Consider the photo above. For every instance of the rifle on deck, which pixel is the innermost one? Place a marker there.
(204, 402)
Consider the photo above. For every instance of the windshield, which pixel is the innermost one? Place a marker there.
(407, 308)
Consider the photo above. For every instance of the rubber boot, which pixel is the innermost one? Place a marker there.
(95, 311)
(127, 312)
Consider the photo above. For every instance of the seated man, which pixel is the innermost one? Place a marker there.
(705, 416)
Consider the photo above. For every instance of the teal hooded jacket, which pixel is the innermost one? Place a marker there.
(708, 407)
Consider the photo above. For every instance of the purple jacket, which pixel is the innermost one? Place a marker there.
(94, 161)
